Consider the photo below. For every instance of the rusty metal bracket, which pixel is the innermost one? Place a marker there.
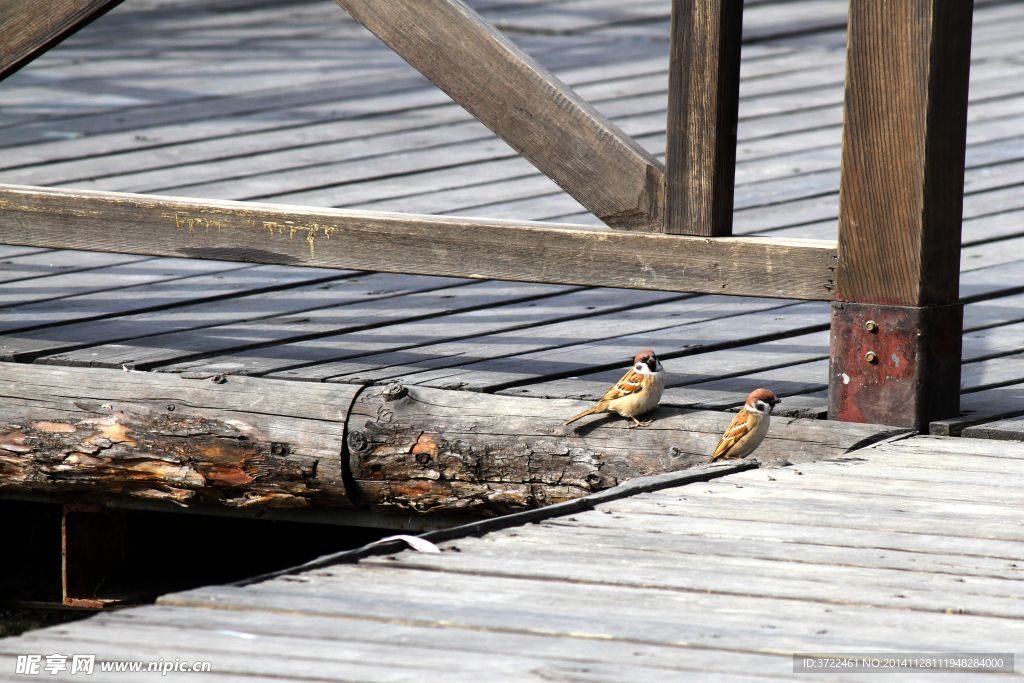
(895, 365)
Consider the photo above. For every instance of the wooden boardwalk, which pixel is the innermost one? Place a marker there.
(298, 104)
(907, 546)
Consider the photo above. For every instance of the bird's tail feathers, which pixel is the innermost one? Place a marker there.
(599, 408)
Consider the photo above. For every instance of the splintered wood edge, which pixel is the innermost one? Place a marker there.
(418, 244)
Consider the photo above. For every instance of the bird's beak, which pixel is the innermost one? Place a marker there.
(776, 401)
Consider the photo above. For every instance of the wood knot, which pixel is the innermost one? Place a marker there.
(357, 442)
(425, 448)
(394, 391)
(279, 449)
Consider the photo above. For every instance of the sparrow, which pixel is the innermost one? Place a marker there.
(637, 392)
(748, 429)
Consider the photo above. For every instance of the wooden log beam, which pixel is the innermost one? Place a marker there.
(407, 243)
(522, 102)
(235, 442)
(88, 435)
(897, 319)
(436, 451)
(28, 28)
(703, 103)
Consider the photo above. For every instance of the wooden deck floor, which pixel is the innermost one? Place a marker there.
(295, 103)
(913, 545)
(908, 546)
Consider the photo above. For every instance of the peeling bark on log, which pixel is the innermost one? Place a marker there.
(431, 450)
(234, 441)
(257, 443)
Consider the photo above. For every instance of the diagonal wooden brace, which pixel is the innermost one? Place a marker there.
(28, 28)
(512, 94)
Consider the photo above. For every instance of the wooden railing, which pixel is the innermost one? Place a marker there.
(894, 275)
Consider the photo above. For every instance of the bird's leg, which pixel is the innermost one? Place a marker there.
(638, 423)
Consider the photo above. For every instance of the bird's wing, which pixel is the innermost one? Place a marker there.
(736, 430)
(630, 383)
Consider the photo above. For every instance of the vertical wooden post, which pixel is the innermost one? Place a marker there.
(897, 323)
(703, 98)
(94, 551)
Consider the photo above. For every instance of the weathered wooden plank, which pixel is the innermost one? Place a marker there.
(292, 658)
(45, 263)
(607, 612)
(439, 246)
(244, 166)
(267, 175)
(120, 276)
(995, 226)
(7, 251)
(655, 566)
(849, 510)
(281, 299)
(323, 357)
(613, 353)
(703, 85)
(28, 28)
(900, 482)
(257, 133)
(992, 373)
(200, 349)
(786, 381)
(294, 314)
(231, 280)
(926, 548)
(517, 98)
(1004, 430)
(714, 380)
(980, 407)
(980, 450)
(236, 443)
(743, 540)
(638, 315)
(366, 641)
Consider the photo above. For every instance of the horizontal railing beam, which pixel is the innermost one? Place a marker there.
(409, 243)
